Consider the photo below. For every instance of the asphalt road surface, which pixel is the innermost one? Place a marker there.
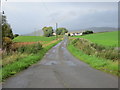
(59, 69)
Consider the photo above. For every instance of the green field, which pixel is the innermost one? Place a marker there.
(105, 39)
(33, 38)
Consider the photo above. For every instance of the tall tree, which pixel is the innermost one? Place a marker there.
(6, 29)
(61, 31)
(7, 35)
(48, 31)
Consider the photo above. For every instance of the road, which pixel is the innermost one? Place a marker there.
(59, 69)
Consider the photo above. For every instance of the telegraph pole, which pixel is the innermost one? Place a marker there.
(56, 26)
(56, 29)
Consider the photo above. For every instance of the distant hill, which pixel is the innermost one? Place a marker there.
(35, 33)
(97, 29)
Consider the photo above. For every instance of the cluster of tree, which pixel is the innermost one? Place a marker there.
(61, 31)
(16, 35)
(7, 34)
(6, 29)
(88, 32)
(48, 31)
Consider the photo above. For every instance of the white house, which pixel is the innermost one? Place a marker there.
(54, 34)
(72, 34)
(76, 34)
(66, 34)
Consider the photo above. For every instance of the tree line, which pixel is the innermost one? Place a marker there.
(48, 31)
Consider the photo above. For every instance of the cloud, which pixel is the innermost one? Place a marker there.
(61, 0)
(25, 17)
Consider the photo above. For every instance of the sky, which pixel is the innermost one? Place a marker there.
(26, 17)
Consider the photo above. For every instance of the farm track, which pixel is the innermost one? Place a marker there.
(59, 69)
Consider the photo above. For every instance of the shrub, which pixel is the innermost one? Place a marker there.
(87, 32)
(95, 49)
(34, 48)
(6, 43)
(16, 35)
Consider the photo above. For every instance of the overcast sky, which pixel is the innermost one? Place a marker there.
(26, 17)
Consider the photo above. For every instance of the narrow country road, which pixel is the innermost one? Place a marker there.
(59, 69)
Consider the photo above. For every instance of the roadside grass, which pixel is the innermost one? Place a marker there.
(104, 38)
(23, 63)
(12, 58)
(95, 62)
(91, 48)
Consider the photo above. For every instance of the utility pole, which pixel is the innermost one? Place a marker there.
(56, 29)
(56, 26)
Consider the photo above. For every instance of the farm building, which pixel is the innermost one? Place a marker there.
(76, 34)
(54, 34)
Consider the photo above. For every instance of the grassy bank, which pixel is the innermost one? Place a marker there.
(94, 61)
(23, 63)
(98, 50)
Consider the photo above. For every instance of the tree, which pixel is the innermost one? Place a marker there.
(7, 34)
(48, 31)
(61, 31)
(4, 19)
(6, 29)
(87, 32)
(16, 35)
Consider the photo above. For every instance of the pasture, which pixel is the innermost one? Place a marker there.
(105, 38)
(33, 38)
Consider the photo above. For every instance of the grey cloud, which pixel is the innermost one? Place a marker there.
(26, 17)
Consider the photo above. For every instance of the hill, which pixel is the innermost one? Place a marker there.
(34, 33)
(97, 29)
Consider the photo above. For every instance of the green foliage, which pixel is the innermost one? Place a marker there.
(6, 43)
(105, 39)
(95, 62)
(7, 35)
(88, 32)
(16, 35)
(94, 49)
(25, 62)
(33, 38)
(61, 31)
(34, 48)
(4, 19)
(7, 31)
(48, 31)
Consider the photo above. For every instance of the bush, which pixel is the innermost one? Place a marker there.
(34, 48)
(16, 35)
(6, 43)
(87, 32)
(95, 49)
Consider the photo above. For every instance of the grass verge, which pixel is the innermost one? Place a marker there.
(95, 62)
(24, 63)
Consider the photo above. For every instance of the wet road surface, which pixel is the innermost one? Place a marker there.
(59, 69)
